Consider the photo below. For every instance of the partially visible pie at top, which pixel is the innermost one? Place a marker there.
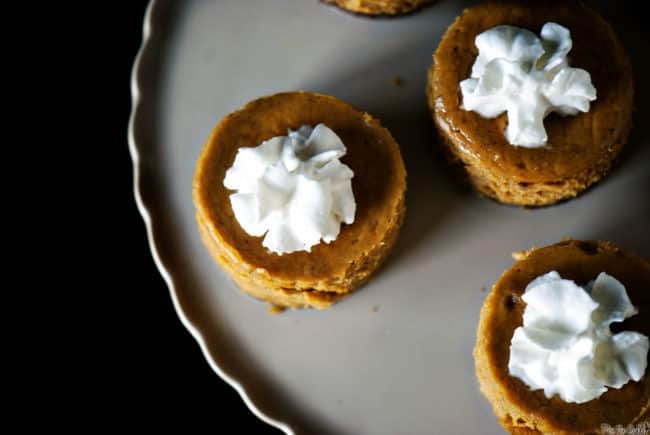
(379, 7)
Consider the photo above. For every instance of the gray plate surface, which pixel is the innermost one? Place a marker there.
(395, 357)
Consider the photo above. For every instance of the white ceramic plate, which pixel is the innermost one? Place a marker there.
(395, 357)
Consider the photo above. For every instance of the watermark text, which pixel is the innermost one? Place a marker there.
(630, 429)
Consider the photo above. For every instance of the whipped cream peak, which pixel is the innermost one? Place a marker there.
(565, 345)
(293, 189)
(527, 77)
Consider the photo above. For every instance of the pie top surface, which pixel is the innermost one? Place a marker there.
(378, 184)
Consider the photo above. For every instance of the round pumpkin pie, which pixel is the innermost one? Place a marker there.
(331, 270)
(379, 7)
(580, 149)
(524, 411)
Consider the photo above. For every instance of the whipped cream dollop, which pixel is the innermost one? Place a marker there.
(527, 77)
(565, 345)
(293, 188)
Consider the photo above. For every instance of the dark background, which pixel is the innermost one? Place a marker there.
(156, 372)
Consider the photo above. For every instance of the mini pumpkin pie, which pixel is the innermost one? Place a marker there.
(533, 100)
(379, 7)
(299, 198)
(562, 340)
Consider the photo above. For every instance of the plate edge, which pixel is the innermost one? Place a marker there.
(151, 236)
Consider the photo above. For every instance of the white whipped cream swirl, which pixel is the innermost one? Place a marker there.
(293, 188)
(527, 77)
(565, 345)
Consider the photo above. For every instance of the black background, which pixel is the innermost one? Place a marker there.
(156, 372)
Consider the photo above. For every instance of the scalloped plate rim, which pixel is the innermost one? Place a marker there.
(143, 209)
